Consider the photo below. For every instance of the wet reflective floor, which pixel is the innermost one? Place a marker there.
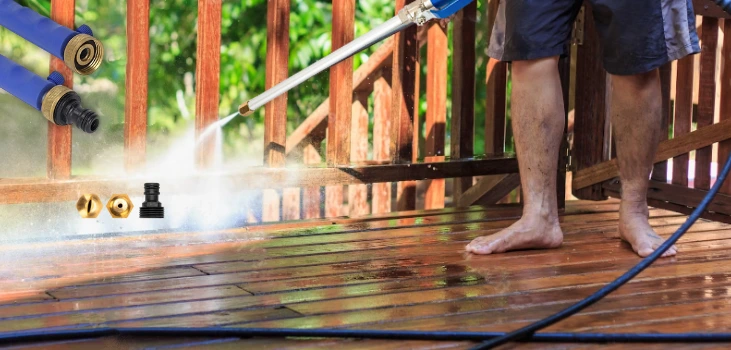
(389, 272)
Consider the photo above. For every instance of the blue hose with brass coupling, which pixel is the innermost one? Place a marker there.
(77, 48)
(59, 104)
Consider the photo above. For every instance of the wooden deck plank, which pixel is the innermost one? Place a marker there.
(193, 294)
(558, 278)
(382, 272)
(252, 263)
(414, 243)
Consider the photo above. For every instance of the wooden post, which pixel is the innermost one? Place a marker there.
(683, 115)
(724, 148)
(341, 100)
(436, 113)
(591, 142)
(463, 92)
(403, 109)
(207, 75)
(275, 112)
(564, 69)
(358, 194)
(382, 139)
(59, 137)
(706, 99)
(136, 84)
(660, 170)
(497, 76)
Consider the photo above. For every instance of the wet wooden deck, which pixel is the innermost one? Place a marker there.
(389, 272)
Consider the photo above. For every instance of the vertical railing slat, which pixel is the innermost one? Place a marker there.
(706, 99)
(403, 110)
(436, 112)
(207, 76)
(660, 170)
(724, 148)
(136, 84)
(59, 137)
(275, 112)
(463, 92)
(683, 114)
(312, 195)
(497, 75)
(358, 194)
(382, 138)
(341, 101)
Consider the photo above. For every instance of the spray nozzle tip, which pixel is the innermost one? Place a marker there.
(244, 110)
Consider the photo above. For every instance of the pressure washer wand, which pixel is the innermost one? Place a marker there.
(418, 12)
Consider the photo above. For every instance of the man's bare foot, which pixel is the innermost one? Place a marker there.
(636, 230)
(526, 233)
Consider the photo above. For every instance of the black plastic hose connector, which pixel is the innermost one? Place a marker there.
(69, 111)
(152, 208)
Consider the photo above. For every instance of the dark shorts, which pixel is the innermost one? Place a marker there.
(637, 36)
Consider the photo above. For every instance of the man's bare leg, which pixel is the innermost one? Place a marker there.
(538, 124)
(636, 115)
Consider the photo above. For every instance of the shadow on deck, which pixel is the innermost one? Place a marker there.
(395, 271)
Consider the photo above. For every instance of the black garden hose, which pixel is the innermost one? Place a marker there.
(220, 332)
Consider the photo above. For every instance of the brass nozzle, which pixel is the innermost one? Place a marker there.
(89, 206)
(84, 54)
(244, 110)
(51, 99)
(120, 206)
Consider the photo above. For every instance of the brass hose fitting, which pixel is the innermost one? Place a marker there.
(84, 54)
(62, 106)
(120, 206)
(89, 206)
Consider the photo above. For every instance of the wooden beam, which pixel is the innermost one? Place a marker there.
(500, 190)
(724, 148)
(136, 84)
(275, 112)
(463, 91)
(708, 8)
(341, 100)
(680, 198)
(42, 190)
(436, 101)
(683, 115)
(476, 192)
(58, 164)
(591, 118)
(341, 85)
(706, 100)
(667, 149)
(207, 76)
(403, 109)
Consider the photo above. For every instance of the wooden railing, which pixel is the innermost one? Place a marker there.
(707, 143)
(352, 177)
